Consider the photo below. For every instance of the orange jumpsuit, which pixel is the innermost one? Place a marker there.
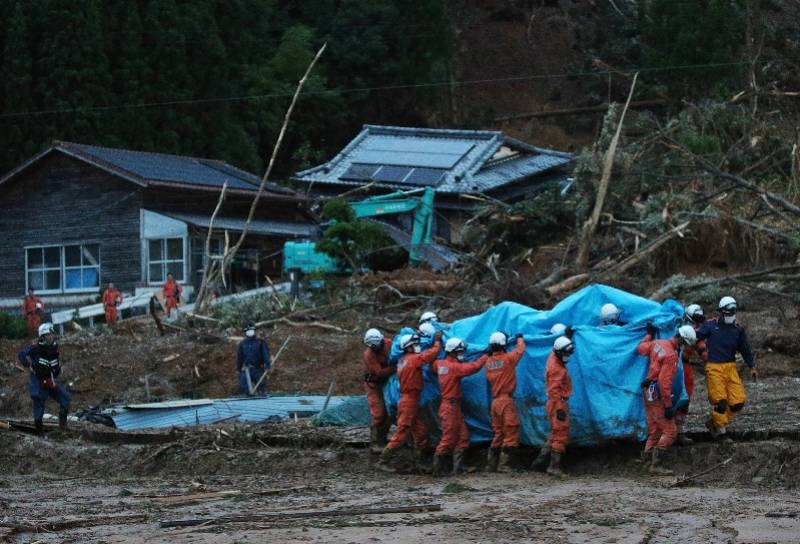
(663, 355)
(559, 389)
(172, 294)
(33, 315)
(377, 369)
(690, 354)
(409, 373)
(111, 299)
(455, 435)
(501, 371)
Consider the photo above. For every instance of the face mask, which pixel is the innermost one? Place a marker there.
(250, 334)
(729, 319)
(565, 357)
(460, 357)
(417, 348)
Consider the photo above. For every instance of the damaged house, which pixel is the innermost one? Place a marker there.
(464, 167)
(77, 216)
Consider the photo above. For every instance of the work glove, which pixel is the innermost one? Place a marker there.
(561, 415)
(518, 336)
(645, 384)
(438, 336)
(569, 331)
(669, 412)
(651, 330)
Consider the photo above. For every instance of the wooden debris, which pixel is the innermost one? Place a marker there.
(301, 515)
(686, 479)
(40, 526)
(192, 498)
(169, 358)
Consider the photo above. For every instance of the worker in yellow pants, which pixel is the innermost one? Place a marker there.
(724, 338)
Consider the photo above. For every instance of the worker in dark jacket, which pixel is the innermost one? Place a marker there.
(252, 362)
(42, 361)
(724, 337)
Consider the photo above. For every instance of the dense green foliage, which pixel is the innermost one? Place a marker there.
(687, 33)
(357, 244)
(99, 64)
(12, 326)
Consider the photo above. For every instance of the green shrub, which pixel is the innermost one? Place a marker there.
(12, 326)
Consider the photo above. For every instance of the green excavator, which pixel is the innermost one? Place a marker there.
(303, 256)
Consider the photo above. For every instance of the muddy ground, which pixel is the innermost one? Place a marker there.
(120, 493)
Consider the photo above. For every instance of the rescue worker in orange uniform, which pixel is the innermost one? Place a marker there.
(111, 299)
(172, 294)
(409, 373)
(657, 390)
(376, 371)
(724, 337)
(501, 372)
(32, 309)
(559, 389)
(455, 436)
(691, 354)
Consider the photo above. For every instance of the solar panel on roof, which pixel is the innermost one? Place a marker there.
(394, 174)
(425, 176)
(397, 144)
(360, 172)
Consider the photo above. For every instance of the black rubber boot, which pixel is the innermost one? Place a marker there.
(438, 464)
(540, 463)
(419, 461)
(458, 466)
(656, 466)
(555, 465)
(505, 459)
(62, 418)
(492, 459)
(39, 425)
(375, 446)
(388, 455)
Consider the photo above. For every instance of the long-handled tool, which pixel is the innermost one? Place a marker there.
(264, 375)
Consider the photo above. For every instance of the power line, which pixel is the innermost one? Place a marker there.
(424, 85)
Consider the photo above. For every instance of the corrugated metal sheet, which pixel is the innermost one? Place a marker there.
(251, 410)
(257, 226)
(464, 154)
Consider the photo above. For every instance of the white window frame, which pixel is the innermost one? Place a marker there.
(63, 269)
(164, 260)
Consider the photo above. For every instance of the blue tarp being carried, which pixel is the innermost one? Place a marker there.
(606, 371)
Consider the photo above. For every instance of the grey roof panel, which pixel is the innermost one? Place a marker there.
(512, 169)
(257, 226)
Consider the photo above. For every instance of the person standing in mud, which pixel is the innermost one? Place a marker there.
(376, 371)
(559, 389)
(42, 361)
(691, 354)
(252, 362)
(724, 337)
(663, 358)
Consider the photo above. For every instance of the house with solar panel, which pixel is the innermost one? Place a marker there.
(75, 217)
(465, 167)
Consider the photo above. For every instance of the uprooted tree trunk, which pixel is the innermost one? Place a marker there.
(585, 243)
(215, 270)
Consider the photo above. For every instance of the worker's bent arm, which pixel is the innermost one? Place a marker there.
(644, 346)
(467, 369)
(429, 355)
(265, 355)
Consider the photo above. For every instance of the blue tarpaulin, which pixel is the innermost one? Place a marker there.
(605, 369)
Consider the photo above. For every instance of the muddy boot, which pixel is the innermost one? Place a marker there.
(438, 464)
(420, 465)
(712, 429)
(723, 437)
(386, 462)
(505, 459)
(39, 425)
(555, 465)
(540, 463)
(62, 419)
(656, 467)
(493, 460)
(644, 456)
(683, 440)
(458, 465)
(375, 446)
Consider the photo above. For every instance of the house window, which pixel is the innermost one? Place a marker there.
(63, 268)
(165, 256)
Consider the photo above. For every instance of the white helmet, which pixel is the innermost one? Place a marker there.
(727, 304)
(428, 316)
(563, 347)
(609, 313)
(408, 340)
(498, 339)
(455, 344)
(373, 338)
(687, 333)
(694, 312)
(558, 329)
(46, 328)
(427, 329)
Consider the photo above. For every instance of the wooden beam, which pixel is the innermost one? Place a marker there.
(599, 108)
